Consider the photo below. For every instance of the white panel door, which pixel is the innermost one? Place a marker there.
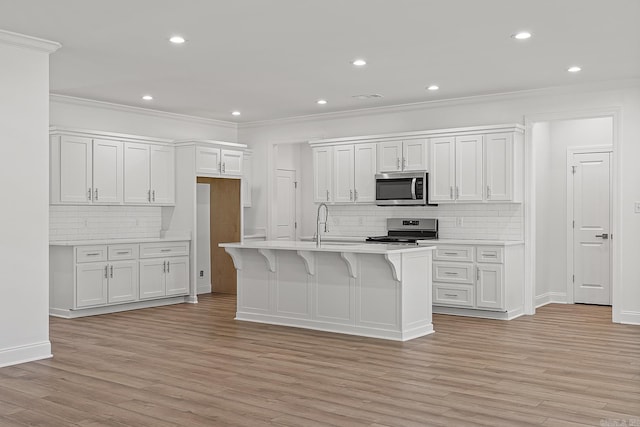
(469, 168)
(365, 173)
(177, 276)
(498, 166)
(389, 156)
(489, 288)
(322, 174)
(231, 162)
(91, 284)
(107, 171)
(208, 161)
(123, 281)
(137, 188)
(591, 246)
(442, 172)
(414, 155)
(247, 180)
(75, 170)
(343, 174)
(152, 278)
(163, 176)
(285, 204)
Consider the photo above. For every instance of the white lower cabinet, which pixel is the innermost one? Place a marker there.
(481, 281)
(96, 279)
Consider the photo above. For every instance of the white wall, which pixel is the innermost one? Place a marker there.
(509, 108)
(24, 185)
(541, 142)
(203, 238)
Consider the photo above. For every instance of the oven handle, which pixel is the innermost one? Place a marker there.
(413, 188)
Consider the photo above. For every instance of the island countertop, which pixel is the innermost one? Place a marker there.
(363, 248)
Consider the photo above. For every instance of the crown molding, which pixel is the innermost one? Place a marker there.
(467, 100)
(84, 102)
(209, 142)
(34, 43)
(87, 133)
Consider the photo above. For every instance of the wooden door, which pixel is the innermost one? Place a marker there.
(224, 216)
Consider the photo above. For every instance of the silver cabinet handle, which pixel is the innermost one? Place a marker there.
(451, 192)
(450, 295)
(89, 194)
(122, 252)
(153, 195)
(327, 195)
(112, 271)
(457, 192)
(95, 191)
(477, 273)
(450, 273)
(404, 163)
(164, 266)
(604, 236)
(398, 163)
(355, 195)
(149, 194)
(168, 266)
(488, 192)
(450, 253)
(489, 255)
(220, 166)
(223, 167)
(94, 254)
(351, 195)
(165, 250)
(106, 271)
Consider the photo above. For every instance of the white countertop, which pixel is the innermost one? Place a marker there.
(117, 241)
(363, 248)
(355, 239)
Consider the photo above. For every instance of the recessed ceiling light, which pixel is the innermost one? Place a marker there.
(177, 39)
(522, 35)
(433, 87)
(321, 101)
(235, 113)
(574, 69)
(359, 62)
(147, 97)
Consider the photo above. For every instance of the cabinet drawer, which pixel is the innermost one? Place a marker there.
(453, 253)
(122, 252)
(91, 253)
(492, 254)
(453, 272)
(452, 294)
(155, 250)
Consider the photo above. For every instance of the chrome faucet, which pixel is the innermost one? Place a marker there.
(326, 217)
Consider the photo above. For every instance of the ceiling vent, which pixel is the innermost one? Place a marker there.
(367, 96)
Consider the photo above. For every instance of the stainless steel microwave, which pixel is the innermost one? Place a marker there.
(402, 189)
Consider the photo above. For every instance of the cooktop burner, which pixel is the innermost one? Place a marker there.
(408, 230)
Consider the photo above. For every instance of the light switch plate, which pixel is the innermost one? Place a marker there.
(636, 206)
(459, 221)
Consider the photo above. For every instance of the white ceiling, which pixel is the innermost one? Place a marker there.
(274, 58)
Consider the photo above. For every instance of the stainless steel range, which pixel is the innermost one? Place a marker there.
(408, 231)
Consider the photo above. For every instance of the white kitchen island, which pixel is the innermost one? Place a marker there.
(373, 290)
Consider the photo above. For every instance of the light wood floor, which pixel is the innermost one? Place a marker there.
(193, 365)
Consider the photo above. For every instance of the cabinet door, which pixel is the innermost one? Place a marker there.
(208, 161)
(137, 188)
(343, 174)
(247, 179)
(163, 176)
(442, 170)
(498, 166)
(177, 276)
(123, 281)
(322, 174)
(75, 170)
(414, 155)
(231, 162)
(107, 171)
(489, 287)
(389, 156)
(91, 284)
(365, 173)
(152, 278)
(469, 168)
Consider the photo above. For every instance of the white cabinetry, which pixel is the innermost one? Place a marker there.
(97, 279)
(408, 155)
(247, 179)
(481, 280)
(343, 174)
(85, 171)
(503, 166)
(216, 161)
(322, 174)
(149, 174)
(456, 169)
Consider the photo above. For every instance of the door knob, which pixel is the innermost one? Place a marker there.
(603, 235)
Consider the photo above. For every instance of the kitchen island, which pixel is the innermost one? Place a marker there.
(373, 290)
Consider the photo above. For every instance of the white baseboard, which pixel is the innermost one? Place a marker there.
(25, 353)
(551, 297)
(203, 288)
(630, 317)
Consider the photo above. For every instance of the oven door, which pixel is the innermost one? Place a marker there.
(401, 188)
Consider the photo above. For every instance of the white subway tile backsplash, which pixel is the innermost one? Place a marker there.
(480, 221)
(104, 222)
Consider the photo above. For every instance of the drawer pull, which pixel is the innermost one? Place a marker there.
(122, 252)
(93, 254)
(450, 273)
(451, 253)
(451, 295)
(489, 255)
(165, 250)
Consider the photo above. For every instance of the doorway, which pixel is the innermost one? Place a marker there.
(588, 239)
(224, 227)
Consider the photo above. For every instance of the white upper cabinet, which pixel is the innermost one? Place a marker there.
(162, 175)
(137, 173)
(364, 173)
(215, 161)
(343, 174)
(409, 155)
(231, 162)
(503, 167)
(442, 175)
(322, 174)
(86, 171)
(469, 168)
(247, 179)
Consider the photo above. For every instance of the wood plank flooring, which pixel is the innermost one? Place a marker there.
(193, 365)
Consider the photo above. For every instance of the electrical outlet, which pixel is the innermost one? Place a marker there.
(636, 207)
(201, 273)
(459, 221)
